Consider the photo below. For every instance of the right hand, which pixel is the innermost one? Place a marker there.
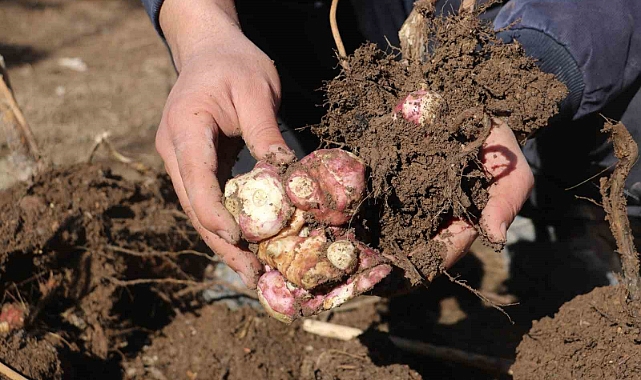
(227, 88)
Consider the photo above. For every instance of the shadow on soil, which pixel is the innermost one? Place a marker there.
(544, 276)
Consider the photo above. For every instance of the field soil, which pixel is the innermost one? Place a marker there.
(102, 276)
(594, 336)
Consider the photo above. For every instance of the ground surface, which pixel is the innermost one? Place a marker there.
(594, 336)
(122, 91)
(72, 244)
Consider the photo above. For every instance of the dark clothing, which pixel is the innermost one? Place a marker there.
(593, 46)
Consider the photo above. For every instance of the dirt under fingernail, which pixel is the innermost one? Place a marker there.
(279, 154)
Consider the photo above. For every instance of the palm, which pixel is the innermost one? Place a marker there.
(512, 182)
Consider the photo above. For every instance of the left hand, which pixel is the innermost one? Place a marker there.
(513, 181)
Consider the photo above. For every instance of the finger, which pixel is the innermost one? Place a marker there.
(512, 183)
(458, 237)
(193, 135)
(244, 263)
(257, 118)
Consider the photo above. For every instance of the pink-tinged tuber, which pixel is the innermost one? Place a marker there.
(328, 183)
(258, 202)
(421, 107)
(286, 303)
(300, 259)
(12, 317)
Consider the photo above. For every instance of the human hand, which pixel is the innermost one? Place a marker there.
(513, 181)
(227, 88)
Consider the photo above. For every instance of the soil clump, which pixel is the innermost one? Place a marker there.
(423, 176)
(91, 257)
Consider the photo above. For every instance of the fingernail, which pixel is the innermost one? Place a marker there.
(503, 231)
(226, 236)
(280, 154)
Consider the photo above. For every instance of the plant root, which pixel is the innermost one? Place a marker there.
(615, 205)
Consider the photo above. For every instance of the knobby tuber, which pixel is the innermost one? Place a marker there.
(12, 317)
(329, 183)
(310, 267)
(421, 107)
(258, 203)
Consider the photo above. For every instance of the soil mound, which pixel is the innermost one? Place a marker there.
(594, 336)
(221, 344)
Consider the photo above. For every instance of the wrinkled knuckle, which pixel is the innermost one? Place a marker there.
(174, 112)
(180, 109)
(266, 88)
(188, 171)
(259, 128)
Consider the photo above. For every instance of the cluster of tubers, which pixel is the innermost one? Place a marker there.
(298, 217)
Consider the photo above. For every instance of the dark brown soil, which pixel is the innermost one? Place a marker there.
(422, 177)
(91, 313)
(101, 262)
(220, 344)
(594, 336)
(34, 358)
(80, 247)
(597, 335)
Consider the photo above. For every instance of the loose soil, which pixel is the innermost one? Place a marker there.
(422, 177)
(101, 259)
(594, 336)
(597, 335)
(76, 246)
(245, 351)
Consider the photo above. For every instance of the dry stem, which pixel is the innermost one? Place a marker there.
(467, 6)
(162, 254)
(413, 35)
(10, 373)
(481, 296)
(25, 154)
(483, 362)
(342, 54)
(615, 205)
(103, 139)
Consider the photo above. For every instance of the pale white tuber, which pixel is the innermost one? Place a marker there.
(258, 202)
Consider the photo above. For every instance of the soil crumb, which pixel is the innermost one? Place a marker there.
(218, 343)
(423, 176)
(594, 336)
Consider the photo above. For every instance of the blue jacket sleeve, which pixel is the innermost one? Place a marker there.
(153, 10)
(593, 46)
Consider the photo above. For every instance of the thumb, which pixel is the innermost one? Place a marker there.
(512, 181)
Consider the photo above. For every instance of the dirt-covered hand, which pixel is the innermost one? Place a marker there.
(227, 88)
(511, 186)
